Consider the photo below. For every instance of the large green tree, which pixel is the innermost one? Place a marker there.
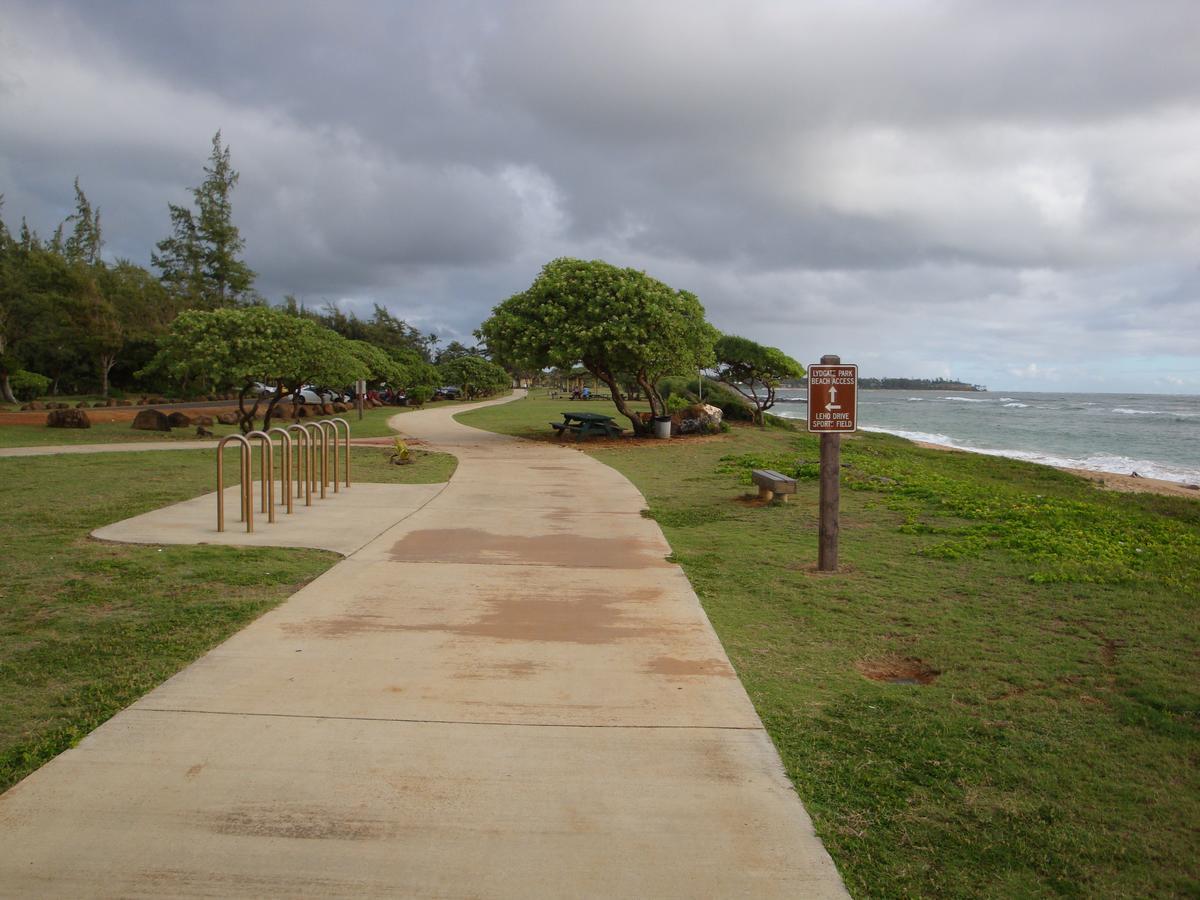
(200, 261)
(240, 348)
(622, 325)
(754, 371)
(475, 376)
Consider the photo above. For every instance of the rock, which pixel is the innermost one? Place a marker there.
(68, 418)
(203, 421)
(179, 420)
(82, 404)
(697, 419)
(124, 403)
(36, 405)
(151, 420)
(227, 418)
(302, 412)
(111, 401)
(327, 409)
(201, 431)
(100, 404)
(340, 408)
(25, 407)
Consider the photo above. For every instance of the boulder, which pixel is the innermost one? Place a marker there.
(201, 431)
(82, 404)
(327, 409)
(179, 420)
(100, 404)
(151, 420)
(203, 421)
(697, 419)
(341, 407)
(124, 403)
(25, 407)
(227, 418)
(68, 418)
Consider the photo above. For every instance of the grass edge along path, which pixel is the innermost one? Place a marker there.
(87, 627)
(1053, 751)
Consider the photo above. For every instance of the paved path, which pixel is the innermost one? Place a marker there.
(508, 694)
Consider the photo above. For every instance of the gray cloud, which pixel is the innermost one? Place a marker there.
(969, 189)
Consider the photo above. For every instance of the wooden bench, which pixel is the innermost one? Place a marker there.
(770, 483)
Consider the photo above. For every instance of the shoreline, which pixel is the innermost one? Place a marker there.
(1110, 481)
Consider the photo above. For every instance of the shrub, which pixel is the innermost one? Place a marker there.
(28, 386)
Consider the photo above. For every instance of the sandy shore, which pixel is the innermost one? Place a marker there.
(1111, 480)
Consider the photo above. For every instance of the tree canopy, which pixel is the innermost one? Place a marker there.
(200, 260)
(240, 348)
(754, 371)
(475, 376)
(622, 325)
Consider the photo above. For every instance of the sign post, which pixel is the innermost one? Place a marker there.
(360, 388)
(832, 411)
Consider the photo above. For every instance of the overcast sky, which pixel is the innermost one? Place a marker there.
(1006, 192)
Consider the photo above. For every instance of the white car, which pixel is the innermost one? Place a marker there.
(310, 394)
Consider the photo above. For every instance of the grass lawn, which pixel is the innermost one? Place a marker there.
(1054, 750)
(373, 424)
(88, 627)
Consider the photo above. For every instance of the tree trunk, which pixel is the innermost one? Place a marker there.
(107, 361)
(639, 427)
(246, 418)
(6, 389)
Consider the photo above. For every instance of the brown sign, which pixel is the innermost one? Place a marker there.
(832, 398)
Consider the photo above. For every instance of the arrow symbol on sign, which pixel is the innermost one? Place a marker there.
(831, 406)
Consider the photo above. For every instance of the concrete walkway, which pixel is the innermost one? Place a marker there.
(510, 693)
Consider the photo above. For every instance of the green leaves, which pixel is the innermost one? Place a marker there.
(754, 371)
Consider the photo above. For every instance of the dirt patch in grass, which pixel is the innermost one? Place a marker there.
(898, 670)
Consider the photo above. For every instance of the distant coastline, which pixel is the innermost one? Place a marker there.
(903, 384)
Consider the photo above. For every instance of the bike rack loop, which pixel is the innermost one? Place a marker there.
(318, 430)
(266, 458)
(328, 427)
(247, 483)
(347, 424)
(285, 464)
(303, 462)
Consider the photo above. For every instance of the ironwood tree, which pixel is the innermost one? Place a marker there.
(754, 371)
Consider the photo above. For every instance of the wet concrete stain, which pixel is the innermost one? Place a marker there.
(194, 770)
(524, 668)
(667, 665)
(298, 822)
(590, 617)
(474, 545)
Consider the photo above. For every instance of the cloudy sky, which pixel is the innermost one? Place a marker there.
(1005, 192)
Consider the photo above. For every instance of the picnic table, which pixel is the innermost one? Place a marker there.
(583, 424)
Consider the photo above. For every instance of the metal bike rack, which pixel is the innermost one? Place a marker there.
(317, 430)
(328, 428)
(303, 463)
(266, 459)
(247, 483)
(305, 468)
(335, 422)
(285, 464)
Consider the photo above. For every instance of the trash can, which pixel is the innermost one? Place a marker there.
(662, 426)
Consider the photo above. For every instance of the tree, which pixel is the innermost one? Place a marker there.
(754, 371)
(622, 325)
(475, 376)
(83, 246)
(240, 348)
(200, 260)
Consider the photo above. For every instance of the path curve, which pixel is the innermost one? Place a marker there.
(511, 693)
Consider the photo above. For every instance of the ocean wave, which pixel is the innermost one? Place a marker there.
(1118, 465)
(1007, 399)
(969, 399)
(916, 399)
(1154, 412)
(1015, 405)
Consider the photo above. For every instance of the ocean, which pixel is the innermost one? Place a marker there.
(1157, 436)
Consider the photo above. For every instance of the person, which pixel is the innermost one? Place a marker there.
(587, 394)
(574, 393)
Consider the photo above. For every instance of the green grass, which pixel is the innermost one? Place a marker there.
(1056, 752)
(88, 627)
(373, 424)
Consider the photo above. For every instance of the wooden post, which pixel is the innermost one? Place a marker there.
(831, 483)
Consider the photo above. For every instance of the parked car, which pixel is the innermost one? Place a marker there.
(310, 394)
